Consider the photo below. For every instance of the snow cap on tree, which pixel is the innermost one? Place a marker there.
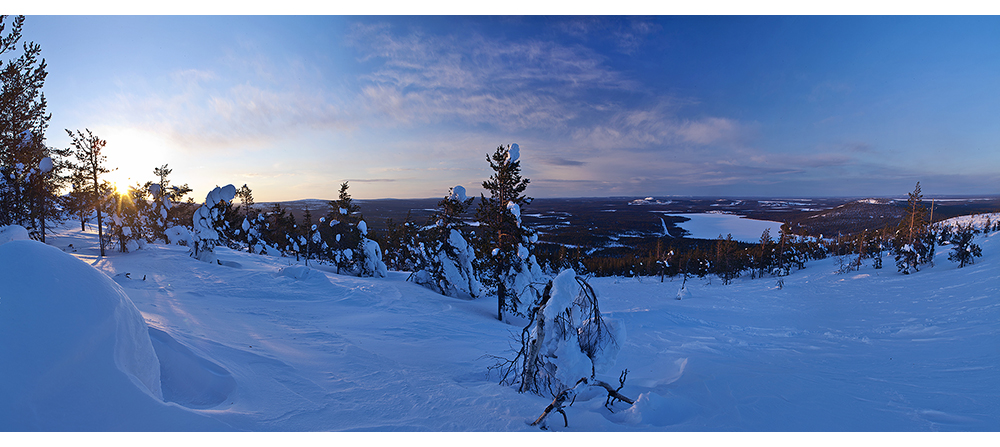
(515, 210)
(514, 153)
(458, 193)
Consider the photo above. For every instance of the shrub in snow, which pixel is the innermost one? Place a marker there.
(209, 223)
(402, 246)
(567, 339)
(445, 257)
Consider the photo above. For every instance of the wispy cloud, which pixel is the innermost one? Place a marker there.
(201, 109)
(510, 85)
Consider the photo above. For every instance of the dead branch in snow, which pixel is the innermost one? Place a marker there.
(571, 393)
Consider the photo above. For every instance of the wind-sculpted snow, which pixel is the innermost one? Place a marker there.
(76, 353)
(872, 350)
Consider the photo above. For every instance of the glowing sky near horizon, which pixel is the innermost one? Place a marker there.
(601, 106)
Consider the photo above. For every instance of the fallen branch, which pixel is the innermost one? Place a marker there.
(571, 393)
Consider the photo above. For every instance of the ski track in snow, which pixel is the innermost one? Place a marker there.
(869, 350)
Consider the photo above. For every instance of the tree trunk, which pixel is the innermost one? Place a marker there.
(501, 297)
(97, 205)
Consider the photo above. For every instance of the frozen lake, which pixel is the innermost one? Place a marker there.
(711, 225)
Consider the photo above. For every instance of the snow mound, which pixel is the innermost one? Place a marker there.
(12, 233)
(75, 353)
(68, 331)
(178, 235)
(303, 273)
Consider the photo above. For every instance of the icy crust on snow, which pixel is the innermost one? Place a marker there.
(68, 333)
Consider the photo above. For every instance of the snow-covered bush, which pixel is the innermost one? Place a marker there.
(178, 235)
(445, 257)
(566, 340)
(208, 223)
(254, 228)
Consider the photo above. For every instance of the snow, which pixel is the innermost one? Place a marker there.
(45, 165)
(76, 352)
(514, 153)
(711, 225)
(978, 221)
(458, 193)
(259, 348)
(515, 209)
(178, 235)
(12, 233)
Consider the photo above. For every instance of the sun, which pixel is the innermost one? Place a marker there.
(132, 154)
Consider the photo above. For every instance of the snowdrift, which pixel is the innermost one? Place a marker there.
(75, 351)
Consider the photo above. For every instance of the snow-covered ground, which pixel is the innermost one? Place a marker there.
(712, 225)
(257, 345)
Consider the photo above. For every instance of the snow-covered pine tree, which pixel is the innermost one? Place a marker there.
(341, 233)
(445, 257)
(369, 255)
(346, 236)
(27, 195)
(159, 211)
(963, 250)
(508, 266)
(209, 223)
(401, 251)
(128, 223)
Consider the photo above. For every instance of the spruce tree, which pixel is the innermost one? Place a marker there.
(963, 250)
(505, 255)
(209, 224)
(445, 258)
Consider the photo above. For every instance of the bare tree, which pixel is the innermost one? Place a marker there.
(91, 165)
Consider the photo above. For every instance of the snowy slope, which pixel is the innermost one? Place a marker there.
(250, 346)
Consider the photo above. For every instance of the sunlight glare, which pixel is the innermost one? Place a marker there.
(133, 153)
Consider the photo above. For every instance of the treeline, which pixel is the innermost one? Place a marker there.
(910, 243)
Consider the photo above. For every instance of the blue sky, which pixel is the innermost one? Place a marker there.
(600, 105)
